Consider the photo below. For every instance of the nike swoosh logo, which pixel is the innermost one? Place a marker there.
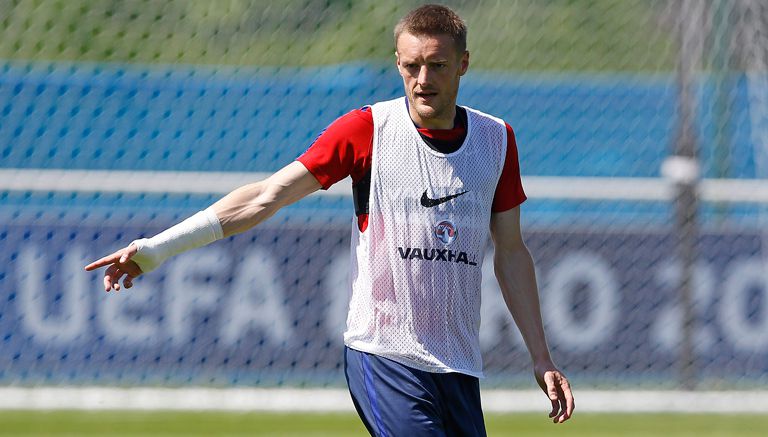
(429, 203)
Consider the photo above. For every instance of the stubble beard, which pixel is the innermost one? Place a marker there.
(426, 113)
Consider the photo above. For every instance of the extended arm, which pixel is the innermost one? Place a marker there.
(251, 204)
(515, 272)
(238, 211)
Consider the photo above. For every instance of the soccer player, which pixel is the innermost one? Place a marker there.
(431, 180)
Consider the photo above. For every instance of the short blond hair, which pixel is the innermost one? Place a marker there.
(434, 20)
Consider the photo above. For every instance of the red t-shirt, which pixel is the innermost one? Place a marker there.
(344, 149)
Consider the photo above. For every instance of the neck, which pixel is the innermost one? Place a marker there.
(442, 122)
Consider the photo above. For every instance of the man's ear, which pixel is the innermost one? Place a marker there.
(464, 63)
(397, 63)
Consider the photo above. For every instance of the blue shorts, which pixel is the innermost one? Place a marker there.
(395, 400)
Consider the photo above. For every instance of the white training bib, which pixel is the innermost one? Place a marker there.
(416, 268)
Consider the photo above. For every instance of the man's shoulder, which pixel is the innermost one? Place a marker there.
(493, 118)
(479, 113)
(363, 113)
(387, 105)
(360, 118)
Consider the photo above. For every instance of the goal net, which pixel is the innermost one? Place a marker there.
(119, 119)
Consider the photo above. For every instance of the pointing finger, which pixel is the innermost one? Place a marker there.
(107, 260)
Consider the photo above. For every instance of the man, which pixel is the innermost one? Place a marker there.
(430, 179)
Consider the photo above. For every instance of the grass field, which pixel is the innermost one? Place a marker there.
(291, 424)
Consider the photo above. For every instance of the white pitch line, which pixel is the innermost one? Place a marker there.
(588, 188)
(338, 400)
(537, 187)
(182, 399)
(148, 182)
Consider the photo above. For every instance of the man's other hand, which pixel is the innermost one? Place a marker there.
(558, 390)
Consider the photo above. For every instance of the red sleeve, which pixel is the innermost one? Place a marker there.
(509, 191)
(342, 149)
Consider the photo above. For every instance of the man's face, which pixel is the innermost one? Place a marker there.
(431, 67)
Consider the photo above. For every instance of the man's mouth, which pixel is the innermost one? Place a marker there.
(425, 94)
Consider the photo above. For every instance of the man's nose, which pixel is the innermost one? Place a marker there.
(424, 76)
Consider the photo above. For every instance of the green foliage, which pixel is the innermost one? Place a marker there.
(554, 35)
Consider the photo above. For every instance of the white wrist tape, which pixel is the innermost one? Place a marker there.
(200, 229)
